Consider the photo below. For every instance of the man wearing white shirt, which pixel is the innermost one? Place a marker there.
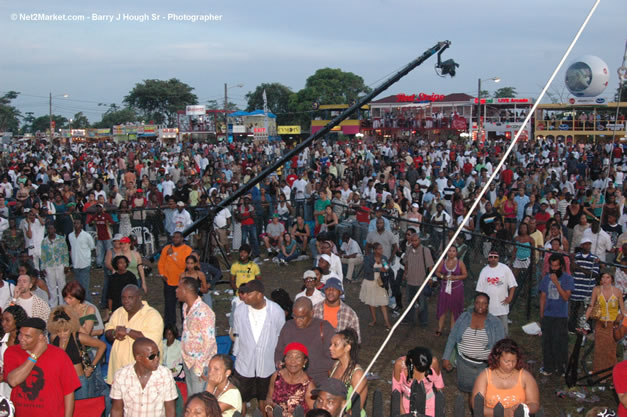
(167, 186)
(311, 291)
(351, 255)
(221, 224)
(330, 264)
(601, 241)
(81, 245)
(34, 229)
(181, 218)
(498, 281)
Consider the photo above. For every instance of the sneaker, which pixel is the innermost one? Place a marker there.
(545, 373)
(283, 262)
(257, 260)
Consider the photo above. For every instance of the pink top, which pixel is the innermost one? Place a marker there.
(405, 389)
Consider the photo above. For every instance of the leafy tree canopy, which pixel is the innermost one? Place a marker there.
(159, 100)
(505, 92)
(9, 115)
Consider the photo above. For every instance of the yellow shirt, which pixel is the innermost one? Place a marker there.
(244, 272)
(147, 320)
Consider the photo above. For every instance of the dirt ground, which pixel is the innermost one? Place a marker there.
(405, 338)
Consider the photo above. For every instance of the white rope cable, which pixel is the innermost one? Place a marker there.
(483, 191)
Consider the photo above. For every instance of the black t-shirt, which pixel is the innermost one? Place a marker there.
(117, 282)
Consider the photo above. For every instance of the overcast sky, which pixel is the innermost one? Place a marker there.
(286, 41)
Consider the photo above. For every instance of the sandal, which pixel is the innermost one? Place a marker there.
(372, 323)
(438, 333)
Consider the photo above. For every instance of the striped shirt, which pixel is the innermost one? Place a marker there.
(584, 281)
(473, 344)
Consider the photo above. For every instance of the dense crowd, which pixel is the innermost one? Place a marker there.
(360, 212)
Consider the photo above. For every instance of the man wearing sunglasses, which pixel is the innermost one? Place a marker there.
(498, 281)
(145, 387)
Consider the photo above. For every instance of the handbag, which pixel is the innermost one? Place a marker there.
(596, 313)
(85, 358)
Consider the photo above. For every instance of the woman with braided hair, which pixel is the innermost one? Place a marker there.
(420, 365)
(12, 318)
(345, 350)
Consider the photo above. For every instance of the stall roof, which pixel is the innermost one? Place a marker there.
(252, 113)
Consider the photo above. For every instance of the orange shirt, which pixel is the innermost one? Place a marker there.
(172, 266)
(330, 314)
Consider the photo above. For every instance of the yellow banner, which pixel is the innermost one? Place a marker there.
(288, 130)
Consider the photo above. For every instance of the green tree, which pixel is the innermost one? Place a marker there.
(42, 123)
(159, 100)
(505, 92)
(79, 121)
(278, 96)
(219, 105)
(485, 94)
(326, 86)
(116, 115)
(9, 115)
(27, 125)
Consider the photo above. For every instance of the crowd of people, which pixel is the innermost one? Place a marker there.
(376, 213)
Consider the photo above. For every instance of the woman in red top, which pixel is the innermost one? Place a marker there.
(510, 208)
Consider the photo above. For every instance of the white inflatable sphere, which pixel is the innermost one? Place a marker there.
(588, 76)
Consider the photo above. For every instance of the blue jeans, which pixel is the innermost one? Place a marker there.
(207, 299)
(423, 311)
(82, 275)
(102, 246)
(249, 235)
(293, 256)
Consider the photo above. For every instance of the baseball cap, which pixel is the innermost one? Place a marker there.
(585, 240)
(309, 274)
(180, 204)
(326, 257)
(117, 236)
(250, 286)
(332, 386)
(333, 282)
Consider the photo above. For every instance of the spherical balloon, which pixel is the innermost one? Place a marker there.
(587, 77)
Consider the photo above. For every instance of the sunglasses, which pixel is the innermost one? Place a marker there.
(153, 356)
(493, 256)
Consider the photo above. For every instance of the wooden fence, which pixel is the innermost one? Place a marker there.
(417, 405)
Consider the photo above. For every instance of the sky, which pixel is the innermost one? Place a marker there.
(96, 62)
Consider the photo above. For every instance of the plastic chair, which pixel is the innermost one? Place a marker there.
(89, 407)
(145, 240)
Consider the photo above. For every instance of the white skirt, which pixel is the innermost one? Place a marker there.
(373, 295)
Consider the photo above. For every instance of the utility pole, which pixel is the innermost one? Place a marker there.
(50, 114)
(226, 116)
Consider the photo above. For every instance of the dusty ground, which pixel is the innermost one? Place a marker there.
(405, 338)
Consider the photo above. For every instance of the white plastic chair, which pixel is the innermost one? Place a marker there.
(145, 238)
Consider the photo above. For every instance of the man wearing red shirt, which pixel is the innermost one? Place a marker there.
(619, 375)
(507, 176)
(103, 222)
(292, 177)
(42, 375)
(542, 216)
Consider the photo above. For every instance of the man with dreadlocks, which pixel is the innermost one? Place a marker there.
(420, 365)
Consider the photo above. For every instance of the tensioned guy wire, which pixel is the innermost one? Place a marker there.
(495, 172)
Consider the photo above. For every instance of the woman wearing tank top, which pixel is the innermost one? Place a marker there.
(506, 382)
(64, 328)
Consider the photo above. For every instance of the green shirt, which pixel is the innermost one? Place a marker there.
(320, 205)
